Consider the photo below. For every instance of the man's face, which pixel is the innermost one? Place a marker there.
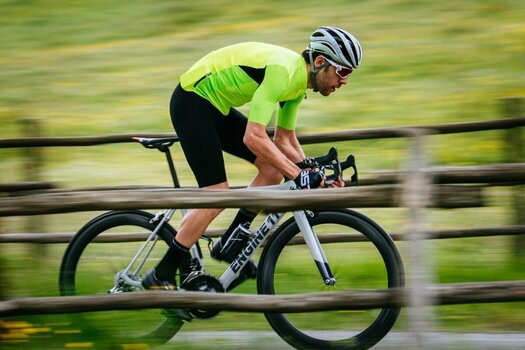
(328, 80)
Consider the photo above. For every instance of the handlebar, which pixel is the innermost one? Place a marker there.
(331, 161)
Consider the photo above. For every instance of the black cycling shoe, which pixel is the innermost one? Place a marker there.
(151, 282)
(250, 270)
(215, 251)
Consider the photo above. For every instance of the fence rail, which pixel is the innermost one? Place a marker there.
(384, 196)
(493, 174)
(65, 237)
(444, 294)
(360, 134)
(507, 174)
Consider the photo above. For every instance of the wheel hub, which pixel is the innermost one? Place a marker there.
(124, 282)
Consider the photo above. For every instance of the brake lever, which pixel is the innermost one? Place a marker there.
(354, 177)
(350, 163)
(341, 166)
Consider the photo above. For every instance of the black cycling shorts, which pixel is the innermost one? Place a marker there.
(204, 133)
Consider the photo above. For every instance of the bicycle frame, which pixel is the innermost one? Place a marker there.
(254, 243)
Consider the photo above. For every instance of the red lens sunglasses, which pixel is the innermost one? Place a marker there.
(342, 71)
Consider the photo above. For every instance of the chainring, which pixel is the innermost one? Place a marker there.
(203, 283)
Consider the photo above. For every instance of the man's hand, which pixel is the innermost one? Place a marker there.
(337, 183)
(308, 179)
(310, 162)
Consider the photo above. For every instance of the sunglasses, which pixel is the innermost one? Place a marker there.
(343, 72)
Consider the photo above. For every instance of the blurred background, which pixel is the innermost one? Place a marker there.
(87, 68)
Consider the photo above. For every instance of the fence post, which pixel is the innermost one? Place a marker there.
(514, 153)
(420, 273)
(32, 171)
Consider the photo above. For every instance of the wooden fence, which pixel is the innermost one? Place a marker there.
(415, 194)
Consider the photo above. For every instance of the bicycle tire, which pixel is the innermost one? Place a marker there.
(82, 273)
(284, 269)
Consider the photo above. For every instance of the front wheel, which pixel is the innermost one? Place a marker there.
(369, 261)
(92, 265)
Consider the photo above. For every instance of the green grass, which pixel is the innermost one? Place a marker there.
(103, 67)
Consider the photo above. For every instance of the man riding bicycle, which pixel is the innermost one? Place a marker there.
(206, 122)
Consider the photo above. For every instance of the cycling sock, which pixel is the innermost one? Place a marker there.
(166, 268)
(243, 216)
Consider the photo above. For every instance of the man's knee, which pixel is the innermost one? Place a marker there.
(270, 173)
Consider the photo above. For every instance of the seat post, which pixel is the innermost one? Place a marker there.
(166, 150)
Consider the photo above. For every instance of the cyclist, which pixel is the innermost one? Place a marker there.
(203, 113)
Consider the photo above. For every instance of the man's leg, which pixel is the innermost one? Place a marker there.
(267, 175)
(194, 121)
(193, 225)
(196, 221)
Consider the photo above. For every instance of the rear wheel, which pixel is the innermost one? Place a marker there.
(91, 265)
(370, 261)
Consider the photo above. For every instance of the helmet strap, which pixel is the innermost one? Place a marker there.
(314, 70)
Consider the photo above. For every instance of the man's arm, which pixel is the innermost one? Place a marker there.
(257, 140)
(286, 141)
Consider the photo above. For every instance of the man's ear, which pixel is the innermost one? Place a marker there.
(318, 61)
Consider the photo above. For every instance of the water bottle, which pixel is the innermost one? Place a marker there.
(235, 242)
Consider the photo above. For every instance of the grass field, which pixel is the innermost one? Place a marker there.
(103, 67)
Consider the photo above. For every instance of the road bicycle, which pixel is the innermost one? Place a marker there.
(293, 261)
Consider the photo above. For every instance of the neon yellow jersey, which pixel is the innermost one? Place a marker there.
(265, 74)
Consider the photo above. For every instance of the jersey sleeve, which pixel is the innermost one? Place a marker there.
(268, 94)
(287, 115)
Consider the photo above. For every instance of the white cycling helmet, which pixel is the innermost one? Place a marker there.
(337, 45)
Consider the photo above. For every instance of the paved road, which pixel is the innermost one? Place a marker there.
(262, 340)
